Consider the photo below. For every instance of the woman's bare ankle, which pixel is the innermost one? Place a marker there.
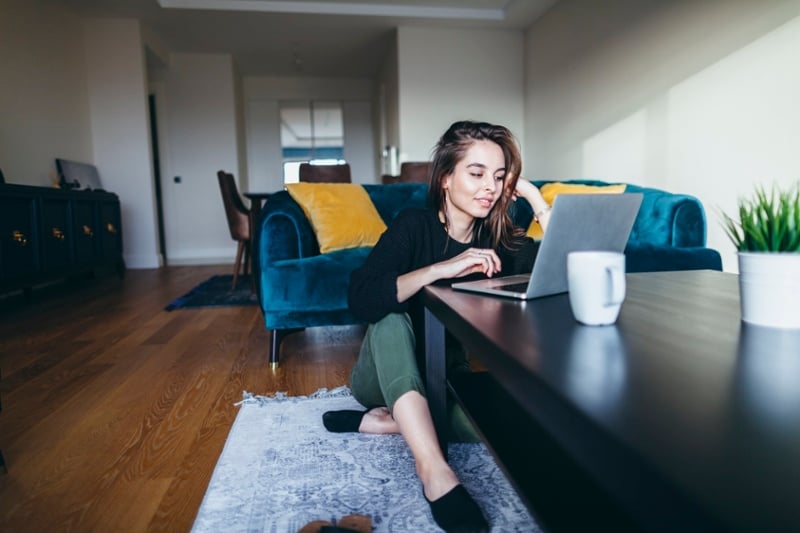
(437, 481)
(378, 421)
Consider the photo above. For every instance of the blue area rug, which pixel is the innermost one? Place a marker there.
(216, 292)
(281, 469)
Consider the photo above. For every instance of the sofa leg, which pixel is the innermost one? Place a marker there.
(275, 348)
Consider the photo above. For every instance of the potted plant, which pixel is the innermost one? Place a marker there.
(767, 237)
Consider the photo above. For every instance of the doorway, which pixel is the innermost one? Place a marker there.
(162, 244)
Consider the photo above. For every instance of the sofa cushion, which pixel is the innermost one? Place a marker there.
(389, 200)
(342, 214)
(551, 190)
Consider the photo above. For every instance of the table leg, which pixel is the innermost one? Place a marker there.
(436, 376)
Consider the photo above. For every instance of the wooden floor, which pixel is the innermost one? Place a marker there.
(115, 411)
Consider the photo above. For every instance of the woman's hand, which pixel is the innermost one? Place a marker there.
(468, 262)
(474, 260)
(531, 193)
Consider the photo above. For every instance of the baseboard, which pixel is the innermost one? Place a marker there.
(141, 261)
(200, 261)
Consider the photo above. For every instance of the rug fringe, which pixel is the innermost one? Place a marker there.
(250, 398)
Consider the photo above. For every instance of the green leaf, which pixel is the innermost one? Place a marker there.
(767, 222)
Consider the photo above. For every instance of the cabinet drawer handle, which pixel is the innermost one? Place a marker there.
(88, 231)
(57, 233)
(19, 237)
(111, 228)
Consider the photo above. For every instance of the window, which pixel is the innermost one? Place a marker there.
(311, 132)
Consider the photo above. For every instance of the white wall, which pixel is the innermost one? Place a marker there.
(262, 97)
(359, 145)
(120, 131)
(199, 117)
(241, 132)
(447, 75)
(386, 98)
(264, 155)
(44, 110)
(698, 97)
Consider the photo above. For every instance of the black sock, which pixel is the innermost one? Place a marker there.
(345, 421)
(456, 511)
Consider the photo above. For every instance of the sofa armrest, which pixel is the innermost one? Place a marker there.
(649, 258)
(284, 232)
(668, 219)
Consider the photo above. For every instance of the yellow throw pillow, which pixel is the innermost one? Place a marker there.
(341, 214)
(553, 189)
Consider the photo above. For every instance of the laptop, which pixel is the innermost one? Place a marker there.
(577, 222)
(75, 175)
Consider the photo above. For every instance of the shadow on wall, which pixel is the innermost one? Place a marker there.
(653, 97)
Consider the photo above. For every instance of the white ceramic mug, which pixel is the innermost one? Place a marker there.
(596, 286)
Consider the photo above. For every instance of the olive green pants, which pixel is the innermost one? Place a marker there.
(387, 368)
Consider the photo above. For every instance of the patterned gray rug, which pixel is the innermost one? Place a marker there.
(281, 469)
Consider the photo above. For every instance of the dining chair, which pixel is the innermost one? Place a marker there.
(325, 173)
(416, 172)
(411, 172)
(238, 222)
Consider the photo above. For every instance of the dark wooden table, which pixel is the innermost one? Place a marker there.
(678, 418)
(257, 200)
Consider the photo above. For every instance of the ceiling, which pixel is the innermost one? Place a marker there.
(326, 38)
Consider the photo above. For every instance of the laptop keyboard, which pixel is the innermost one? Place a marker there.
(514, 287)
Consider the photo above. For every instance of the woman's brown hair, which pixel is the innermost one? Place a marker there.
(452, 147)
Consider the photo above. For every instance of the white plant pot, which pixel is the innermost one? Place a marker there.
(769, 288)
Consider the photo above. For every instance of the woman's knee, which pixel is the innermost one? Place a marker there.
(392, 323)
(393, 330)
(387, 357)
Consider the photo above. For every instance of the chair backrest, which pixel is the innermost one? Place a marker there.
(325, 173)
(238, 215)
(411, 172)
(416, 172)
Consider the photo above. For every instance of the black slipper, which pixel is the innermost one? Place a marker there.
(456, 511)
(345, 421)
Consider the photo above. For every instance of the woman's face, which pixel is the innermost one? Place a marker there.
(476, 182)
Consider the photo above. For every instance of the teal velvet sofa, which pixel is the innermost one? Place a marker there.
(299, 287)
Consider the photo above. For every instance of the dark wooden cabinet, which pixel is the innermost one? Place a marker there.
(3, 469)
(110, 228)
(57, 234)
(18, 253)
(50, 233)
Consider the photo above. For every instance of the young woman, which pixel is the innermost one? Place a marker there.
(465, 232)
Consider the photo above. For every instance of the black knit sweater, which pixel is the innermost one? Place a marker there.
(415, 239)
